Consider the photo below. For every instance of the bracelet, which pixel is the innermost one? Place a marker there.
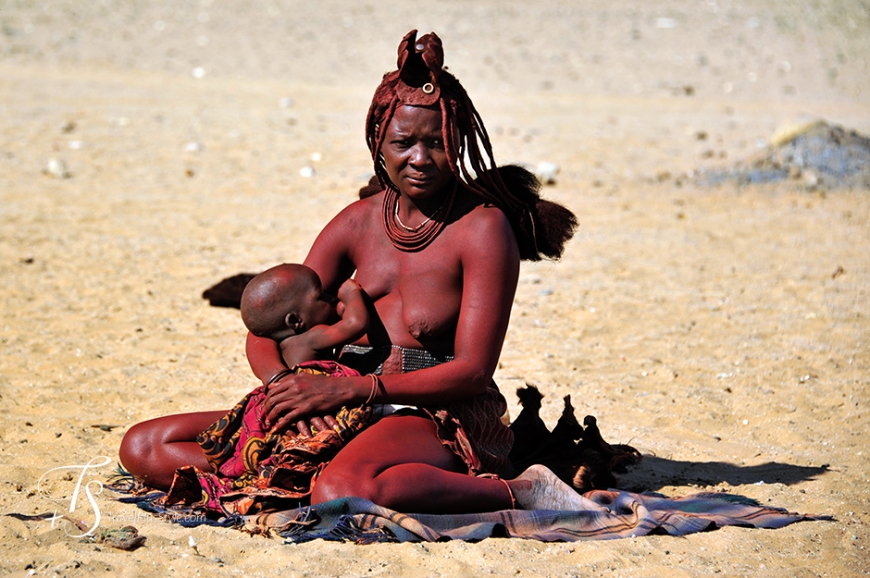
(375, 386)
(510, 493)
(281, 374)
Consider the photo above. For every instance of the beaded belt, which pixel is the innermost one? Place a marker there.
(386, 359)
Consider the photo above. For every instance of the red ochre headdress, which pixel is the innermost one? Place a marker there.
(541, 227)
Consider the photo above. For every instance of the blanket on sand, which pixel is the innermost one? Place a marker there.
(610, 514)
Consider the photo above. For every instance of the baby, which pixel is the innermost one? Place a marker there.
(287, 304)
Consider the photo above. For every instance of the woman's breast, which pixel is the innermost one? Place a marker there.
(419, 308)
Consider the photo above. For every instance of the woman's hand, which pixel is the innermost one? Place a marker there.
(298, 397)
(308, 428)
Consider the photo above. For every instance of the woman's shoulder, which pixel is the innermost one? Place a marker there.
(359, 211)
(483, 226)
(479, 216)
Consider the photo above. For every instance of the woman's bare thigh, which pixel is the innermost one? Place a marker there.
(394, 440)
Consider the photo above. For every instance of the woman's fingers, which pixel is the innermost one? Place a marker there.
(319, 424)
(304, 428)
(298, 397)
(285, 421)
(280, 417)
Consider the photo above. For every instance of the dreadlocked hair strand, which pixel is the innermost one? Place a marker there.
(541, 227)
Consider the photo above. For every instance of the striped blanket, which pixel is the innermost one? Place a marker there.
(623, 515)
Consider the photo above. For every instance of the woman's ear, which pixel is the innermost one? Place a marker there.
(292, 321)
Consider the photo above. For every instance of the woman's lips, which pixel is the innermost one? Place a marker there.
(419, 180)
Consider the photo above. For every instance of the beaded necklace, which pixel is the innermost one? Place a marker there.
(411, 239)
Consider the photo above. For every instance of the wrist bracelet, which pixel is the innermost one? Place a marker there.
(277, 376)
(375, 386)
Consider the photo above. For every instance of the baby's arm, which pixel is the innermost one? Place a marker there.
(316, 341)
(353, 324)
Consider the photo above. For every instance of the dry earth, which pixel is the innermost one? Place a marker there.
(723, 331)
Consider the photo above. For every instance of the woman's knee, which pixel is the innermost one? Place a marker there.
(136, 447)
(341, 483)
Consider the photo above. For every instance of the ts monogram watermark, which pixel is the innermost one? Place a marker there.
(92, 488)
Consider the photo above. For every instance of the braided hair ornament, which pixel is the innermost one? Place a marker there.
(541, 227)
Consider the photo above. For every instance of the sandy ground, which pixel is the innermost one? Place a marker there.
(707, 327)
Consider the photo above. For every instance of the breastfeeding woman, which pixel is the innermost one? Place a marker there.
(436, 242)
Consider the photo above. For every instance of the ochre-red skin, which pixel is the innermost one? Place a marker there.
(454, 295)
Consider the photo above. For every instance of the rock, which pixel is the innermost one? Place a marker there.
(807, 150)
(546, 173)
(56, 168)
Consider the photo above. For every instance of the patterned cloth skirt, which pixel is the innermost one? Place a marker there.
(256, 470)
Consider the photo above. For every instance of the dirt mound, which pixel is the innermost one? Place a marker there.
(809, 151)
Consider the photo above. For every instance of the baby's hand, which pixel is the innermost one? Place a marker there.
(347, 288)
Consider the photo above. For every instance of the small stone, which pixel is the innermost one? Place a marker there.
(546, 173)
(285, 102)
(306, 172)
(198, 72)
(56, 168)
(193, 147)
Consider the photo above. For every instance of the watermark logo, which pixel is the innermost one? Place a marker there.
(92, 488)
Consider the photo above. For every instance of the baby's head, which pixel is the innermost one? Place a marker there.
(286, 300)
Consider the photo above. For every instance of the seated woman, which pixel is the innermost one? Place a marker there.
(436, 242)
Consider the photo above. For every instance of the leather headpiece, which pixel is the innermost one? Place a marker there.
(420, 65)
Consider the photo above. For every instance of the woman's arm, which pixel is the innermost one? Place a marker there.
(329, 256)
(264, 357)
(487, 250)
(329, 259)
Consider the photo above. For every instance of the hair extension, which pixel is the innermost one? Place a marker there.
(541, 227)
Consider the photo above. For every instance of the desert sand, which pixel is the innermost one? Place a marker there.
(149, 149)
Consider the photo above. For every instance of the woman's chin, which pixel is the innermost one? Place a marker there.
(422, 190)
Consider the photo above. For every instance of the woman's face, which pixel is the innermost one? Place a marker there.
(414, 153)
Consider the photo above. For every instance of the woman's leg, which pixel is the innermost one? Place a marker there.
(400, 463)
(154, 449)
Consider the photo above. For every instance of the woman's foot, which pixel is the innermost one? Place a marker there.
(538, 488)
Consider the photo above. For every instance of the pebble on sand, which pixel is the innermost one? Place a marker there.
(546, 173)
(56, 168)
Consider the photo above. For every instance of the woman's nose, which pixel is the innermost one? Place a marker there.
(420, 155)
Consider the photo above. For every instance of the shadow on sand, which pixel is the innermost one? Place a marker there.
(653, 473)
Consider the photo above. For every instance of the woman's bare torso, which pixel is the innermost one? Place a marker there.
(417, 295)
